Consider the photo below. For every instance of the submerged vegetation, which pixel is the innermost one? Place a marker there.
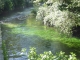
(34, 28)
(50, 21)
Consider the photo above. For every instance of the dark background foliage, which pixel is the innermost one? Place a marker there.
(9, 5)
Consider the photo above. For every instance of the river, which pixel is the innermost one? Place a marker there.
(21, 31)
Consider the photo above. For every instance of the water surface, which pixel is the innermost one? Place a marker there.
(21, 31)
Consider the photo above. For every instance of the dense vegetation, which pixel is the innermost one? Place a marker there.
(62, 14)
(49, 56)
(8, 5)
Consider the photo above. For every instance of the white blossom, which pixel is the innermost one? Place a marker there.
(53, 16)
(36, 1)
(49, 1)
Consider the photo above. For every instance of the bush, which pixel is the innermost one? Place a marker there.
(49, 56)
(62, 18)
(33, 12)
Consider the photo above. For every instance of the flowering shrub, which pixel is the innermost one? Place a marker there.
(49, 56)
(53, 16)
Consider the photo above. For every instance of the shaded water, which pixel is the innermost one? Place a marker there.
(22, 31)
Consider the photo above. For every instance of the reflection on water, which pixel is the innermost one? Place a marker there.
(20, 35)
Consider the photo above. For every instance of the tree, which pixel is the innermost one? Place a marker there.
(1, 5)
(60, 14)
(18, 3)
(8, 5)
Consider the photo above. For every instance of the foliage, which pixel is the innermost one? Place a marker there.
(71, 5)
(33, 11)
(1, 5)
(4, 50)
(7, 5)
(50, 56)
(59, 14)
(18, 3)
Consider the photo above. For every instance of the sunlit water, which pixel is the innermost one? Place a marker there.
(21, 31)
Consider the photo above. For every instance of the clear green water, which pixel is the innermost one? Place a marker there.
(20, 34)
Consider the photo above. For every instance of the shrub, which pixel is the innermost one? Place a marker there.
(50, 56)
(62, 20)
(34, 12)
